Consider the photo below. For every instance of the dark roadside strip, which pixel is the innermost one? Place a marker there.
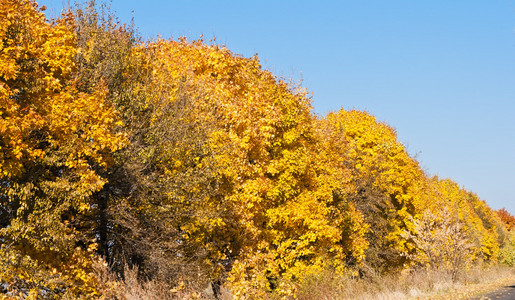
(504, 293)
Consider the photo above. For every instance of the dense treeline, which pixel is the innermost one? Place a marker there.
(195, 165)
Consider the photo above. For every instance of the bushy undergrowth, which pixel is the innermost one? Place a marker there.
(413, 284)
(507, 255)
(326, 285)
(507, 252)
(130, 286)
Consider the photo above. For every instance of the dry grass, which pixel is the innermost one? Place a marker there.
(419, 284)
(415, 284)
(130, 287)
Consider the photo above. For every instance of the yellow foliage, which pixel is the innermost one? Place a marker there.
(274, 185)
(382, 179)
(225, 156)
(479, 220)
(52, 138)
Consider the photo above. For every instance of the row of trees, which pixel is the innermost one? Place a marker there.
(196, 165)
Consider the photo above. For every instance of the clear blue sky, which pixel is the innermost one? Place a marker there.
(441, 72)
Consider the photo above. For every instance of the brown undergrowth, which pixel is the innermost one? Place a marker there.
(413, 284)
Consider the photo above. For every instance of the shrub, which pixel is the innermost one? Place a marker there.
(507, 252)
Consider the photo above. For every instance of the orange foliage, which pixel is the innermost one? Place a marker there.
(507, 218)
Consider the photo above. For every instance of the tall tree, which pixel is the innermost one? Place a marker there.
(52, 138)
(226, 157)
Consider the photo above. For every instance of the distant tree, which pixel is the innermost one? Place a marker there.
(507, 218)
(479, 220)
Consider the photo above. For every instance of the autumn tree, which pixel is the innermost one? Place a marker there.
(384, 180)
(105, 56)
(479, 220)
(158, 194)
(223, 160)
(52, 138)
(507, 218)
(162, 178)
(442, 241)
(192, 164)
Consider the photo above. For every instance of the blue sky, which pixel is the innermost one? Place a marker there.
(441, 72)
